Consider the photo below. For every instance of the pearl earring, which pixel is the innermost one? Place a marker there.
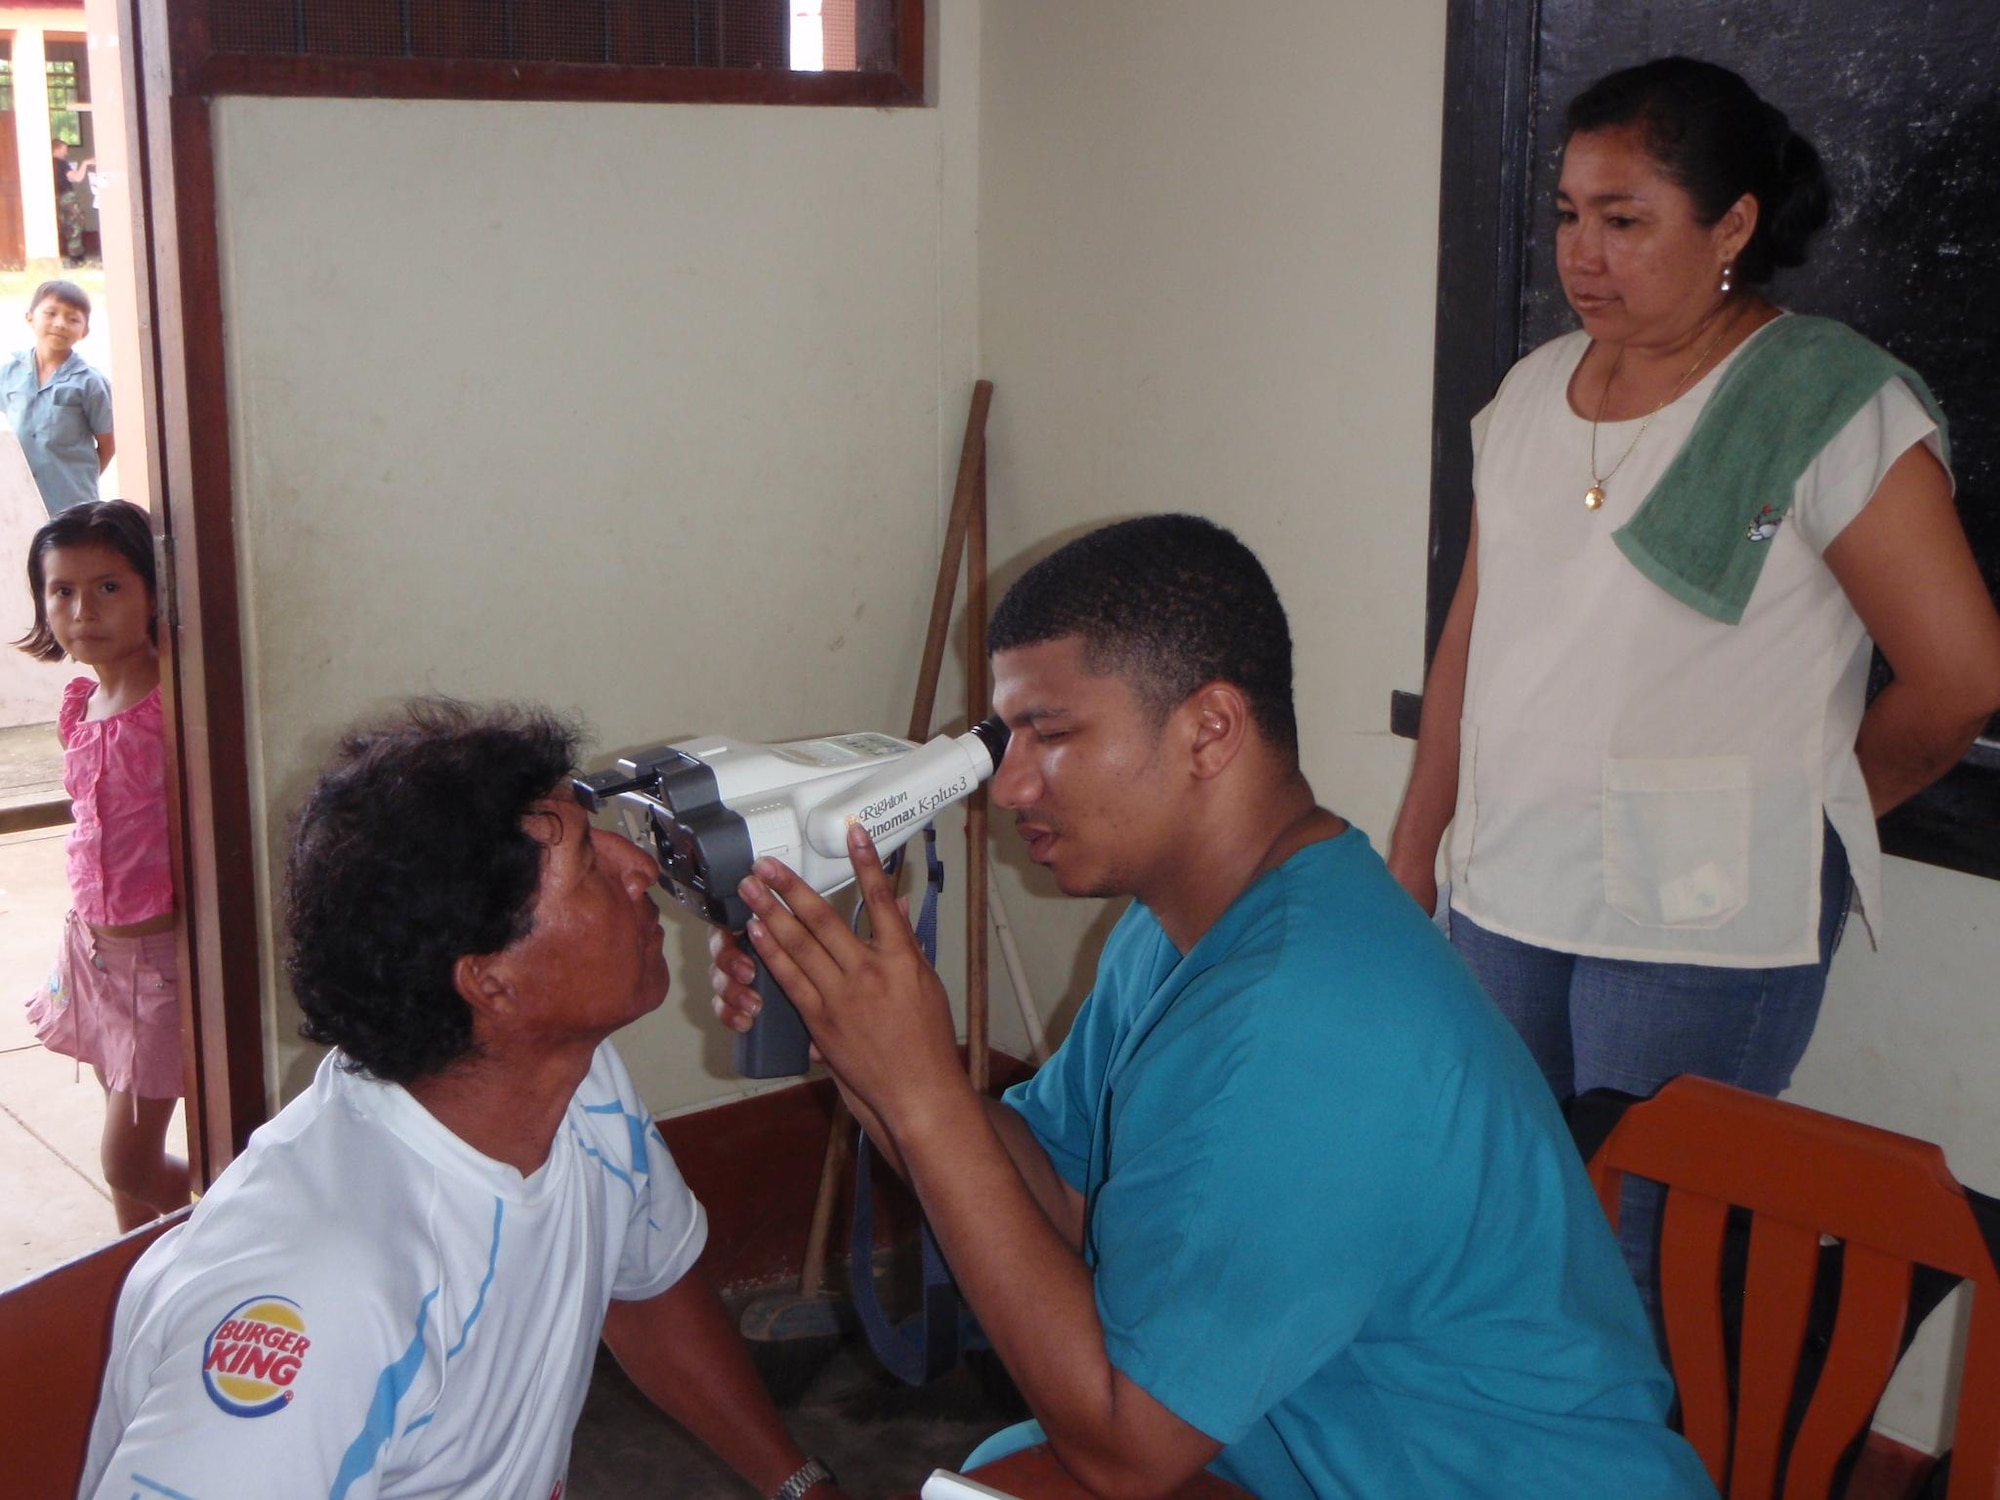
(1727, 272)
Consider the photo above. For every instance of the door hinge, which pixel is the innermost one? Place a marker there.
(169, 591)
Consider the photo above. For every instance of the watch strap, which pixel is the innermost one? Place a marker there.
(803, 1478)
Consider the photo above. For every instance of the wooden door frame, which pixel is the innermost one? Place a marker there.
(184, 398)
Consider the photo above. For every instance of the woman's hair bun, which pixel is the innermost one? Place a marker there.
(1803, 201)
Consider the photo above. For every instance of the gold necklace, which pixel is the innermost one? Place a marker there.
(1593, 498)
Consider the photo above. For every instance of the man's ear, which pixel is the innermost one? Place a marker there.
(481, 982)
(1221, 722)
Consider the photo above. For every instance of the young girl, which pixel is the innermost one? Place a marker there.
(113, 1000)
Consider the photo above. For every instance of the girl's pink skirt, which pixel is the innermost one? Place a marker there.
(114, 1002)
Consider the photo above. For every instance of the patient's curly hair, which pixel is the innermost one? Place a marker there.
(409, 854)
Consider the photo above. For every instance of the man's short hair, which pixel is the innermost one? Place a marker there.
(1167, 603)
(410, 854)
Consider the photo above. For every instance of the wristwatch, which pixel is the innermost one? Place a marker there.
(808, 1474)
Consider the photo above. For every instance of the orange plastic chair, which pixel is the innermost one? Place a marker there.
(1802, 1174)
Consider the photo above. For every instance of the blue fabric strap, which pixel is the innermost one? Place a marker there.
(920, 1349)
(933, 887)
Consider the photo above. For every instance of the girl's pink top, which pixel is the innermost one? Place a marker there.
(115, 770)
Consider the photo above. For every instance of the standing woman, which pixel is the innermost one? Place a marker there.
(1645, 719)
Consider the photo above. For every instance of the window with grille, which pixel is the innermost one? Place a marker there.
(777, 51)
(65, 123)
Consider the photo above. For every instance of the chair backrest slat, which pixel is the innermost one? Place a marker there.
(1802, 1174)
(1975, 1464)
(1867, 1338)
(1691, 1237)
(1777, 1297)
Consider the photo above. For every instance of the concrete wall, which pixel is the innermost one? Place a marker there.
(30, 690)
(39, 231)
(672, 456)
(1207, 267)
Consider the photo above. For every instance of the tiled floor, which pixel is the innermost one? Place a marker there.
(879, 1436)
(883, 1438)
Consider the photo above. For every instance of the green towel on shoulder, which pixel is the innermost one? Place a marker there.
(1704, 531)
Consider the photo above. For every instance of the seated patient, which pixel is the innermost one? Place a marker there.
(399, 1287)
(1291, 1201)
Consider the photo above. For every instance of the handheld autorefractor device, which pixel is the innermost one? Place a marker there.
(706, 809)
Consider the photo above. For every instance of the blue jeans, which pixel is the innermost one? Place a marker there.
(1616, 1023)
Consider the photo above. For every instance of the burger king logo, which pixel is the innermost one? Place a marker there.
(253, 1355)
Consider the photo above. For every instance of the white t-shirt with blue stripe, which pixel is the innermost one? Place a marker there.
(365, 1306)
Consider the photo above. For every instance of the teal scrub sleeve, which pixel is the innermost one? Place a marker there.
(1061, 1103)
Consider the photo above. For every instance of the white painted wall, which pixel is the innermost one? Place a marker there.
(672, 456)
(29, 70)
(30, 690)
(1207, 268)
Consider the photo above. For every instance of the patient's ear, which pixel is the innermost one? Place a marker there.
(481, 982)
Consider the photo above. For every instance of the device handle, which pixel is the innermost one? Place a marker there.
(776, 1044)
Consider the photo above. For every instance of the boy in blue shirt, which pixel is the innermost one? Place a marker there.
(59, 407)
(1288, 1203)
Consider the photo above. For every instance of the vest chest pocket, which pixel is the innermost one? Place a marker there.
(1677, 840)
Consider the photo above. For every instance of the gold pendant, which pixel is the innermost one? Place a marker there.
(1593, 497)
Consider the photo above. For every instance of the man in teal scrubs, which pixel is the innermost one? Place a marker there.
(1291, 1201)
